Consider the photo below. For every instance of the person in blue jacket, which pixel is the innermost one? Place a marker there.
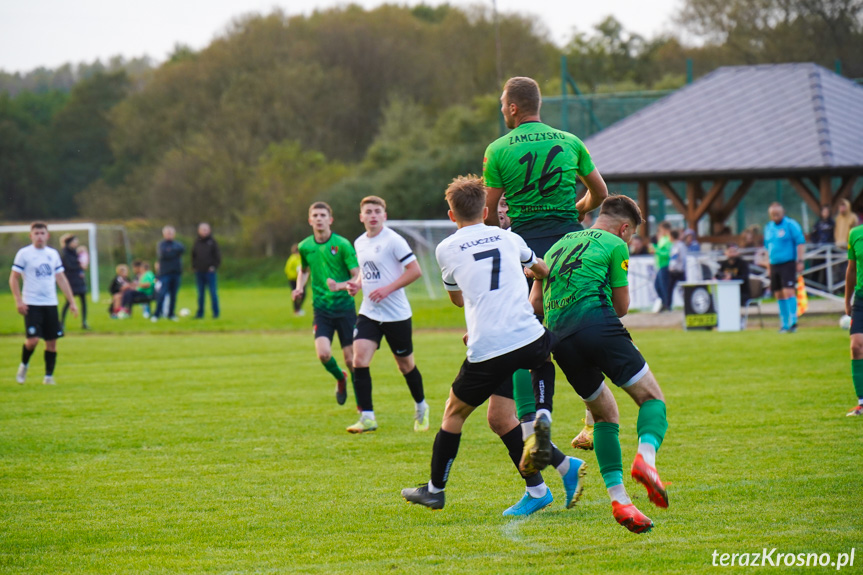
(783, 238)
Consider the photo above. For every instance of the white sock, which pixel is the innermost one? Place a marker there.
(618, 493)
(433, 489)
(422, 405)
(526, 429)
(537, 491)
(545, 412)
(859, 399)
(588, 417)
(648, 452)
(563, 468)
(367, 415)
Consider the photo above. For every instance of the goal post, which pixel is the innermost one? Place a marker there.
(423, 236)
(92, 230)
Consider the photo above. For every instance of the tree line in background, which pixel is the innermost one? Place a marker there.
(395, 101)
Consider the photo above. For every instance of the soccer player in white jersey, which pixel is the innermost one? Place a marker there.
(482, 272)
(42, 270)
(387, 265)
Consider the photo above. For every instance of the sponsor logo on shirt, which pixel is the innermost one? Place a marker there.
(625, 265)
(43, 271)
(371, 271)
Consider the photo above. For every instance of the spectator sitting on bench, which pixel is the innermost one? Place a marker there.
(119, 285)
(735, 267)
(144, 288)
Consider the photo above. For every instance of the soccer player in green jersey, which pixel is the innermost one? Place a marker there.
(854, 287)
(331, 262)
(537, 169)
(586, 293)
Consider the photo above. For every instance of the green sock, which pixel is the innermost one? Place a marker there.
(857, 376)
(652, 423)
(522, 393)
(333, 367)
(606, 443)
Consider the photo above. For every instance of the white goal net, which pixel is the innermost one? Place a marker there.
(423, 236)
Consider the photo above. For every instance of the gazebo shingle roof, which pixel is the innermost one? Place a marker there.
(738, 121)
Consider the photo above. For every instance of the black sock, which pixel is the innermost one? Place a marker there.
(514, 445)
(25, 354)
(443, 455)
(63, 316)
(363, 388)
(50, 362)
(543, 385)
(415, 383)
(557, 456)
(83, 298)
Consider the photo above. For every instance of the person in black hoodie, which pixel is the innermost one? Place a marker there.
(170, 253)
(75, 274)
(206, 259)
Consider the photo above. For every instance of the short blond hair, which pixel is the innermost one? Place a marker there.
(122, 268)
(375, 200)
(466, 197)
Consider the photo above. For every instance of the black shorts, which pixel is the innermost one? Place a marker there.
(857, 317)
(327, 324)
(590, 354)
(783, 276)
(42, 321)
(476, 382)
(398, 334)
(541, 245)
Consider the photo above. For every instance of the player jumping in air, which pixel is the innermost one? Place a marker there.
(585, 294)
(538, 168)
(482, 272)
(328, 256)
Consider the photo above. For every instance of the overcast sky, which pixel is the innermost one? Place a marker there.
(48, 33)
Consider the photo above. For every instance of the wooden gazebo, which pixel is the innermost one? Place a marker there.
(795, 122)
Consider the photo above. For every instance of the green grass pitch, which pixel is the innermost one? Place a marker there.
(217, 447)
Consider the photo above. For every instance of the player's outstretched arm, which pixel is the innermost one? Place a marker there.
(411, 273)
(345, 285)
(620, 300)
(597, 191)
(15, 286)
(67, 291)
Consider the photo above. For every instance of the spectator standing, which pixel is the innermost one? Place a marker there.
(75, 276)
(170, 254)
(637, 247)
(845, 220)
(824, 228)
(784, 241)
(823, 234)
(206, 259)
(662, 251)
(292, 270)
(691, 241)
(676, 264)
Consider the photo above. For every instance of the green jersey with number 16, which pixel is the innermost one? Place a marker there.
(583, 267)
(537, 167)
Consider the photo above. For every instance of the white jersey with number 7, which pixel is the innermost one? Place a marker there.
(485, 264)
